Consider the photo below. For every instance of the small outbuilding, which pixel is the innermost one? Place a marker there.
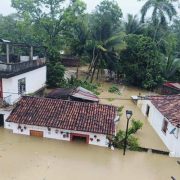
(70, 61)
(63, 120)
(170, 88)
(74, 94)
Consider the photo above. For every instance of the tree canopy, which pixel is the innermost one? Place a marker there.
(102, 38)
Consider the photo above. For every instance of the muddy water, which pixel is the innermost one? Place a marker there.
(29, 158)
(147, 136)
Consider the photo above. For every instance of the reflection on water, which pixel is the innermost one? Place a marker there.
(31, 158)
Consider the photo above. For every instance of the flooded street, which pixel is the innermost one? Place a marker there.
(28, 158)
(148, 138)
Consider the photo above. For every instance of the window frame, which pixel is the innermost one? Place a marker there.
(165, 129)
(21, 82)
(176, 132)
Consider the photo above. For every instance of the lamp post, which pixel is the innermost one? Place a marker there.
(128, 116)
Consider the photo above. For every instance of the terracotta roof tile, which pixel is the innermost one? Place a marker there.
(169, 106)
(70, 115)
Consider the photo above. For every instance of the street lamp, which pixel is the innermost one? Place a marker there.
(128, 116)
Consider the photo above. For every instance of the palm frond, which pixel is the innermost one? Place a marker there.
(145, 9)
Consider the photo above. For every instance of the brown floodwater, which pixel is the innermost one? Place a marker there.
(147, 136)
(31, 158)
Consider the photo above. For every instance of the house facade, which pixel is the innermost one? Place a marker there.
(163, 114)
(63, 120)
(20, 74)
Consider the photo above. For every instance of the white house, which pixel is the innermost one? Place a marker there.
(163, 113)
(63, 120)
(19, 74)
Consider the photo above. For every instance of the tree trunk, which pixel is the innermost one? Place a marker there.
(97, 77)
(95, 65)
(92, 66)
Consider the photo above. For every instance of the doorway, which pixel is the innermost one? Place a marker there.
(36, 133)
(1, 120)
(81, 138)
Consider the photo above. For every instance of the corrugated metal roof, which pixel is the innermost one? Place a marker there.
(173, 85)
(84, 94)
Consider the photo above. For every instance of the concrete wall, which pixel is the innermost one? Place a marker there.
(58, 134)
(35, 80)
(156, 119)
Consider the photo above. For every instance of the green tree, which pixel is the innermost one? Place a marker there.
(105, 39)
(141, 62)
(162, 9)
(162, 13)
(75, 23)
(46, 15)
(133, 25)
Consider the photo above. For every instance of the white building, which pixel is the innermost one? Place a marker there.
(63, 120)
(163, 113)
(19, 75)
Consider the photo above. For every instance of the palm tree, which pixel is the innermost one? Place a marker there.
(132, 25)
(105, 54)
(162, 9)
(172, 64)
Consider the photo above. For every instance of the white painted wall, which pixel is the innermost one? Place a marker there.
(156, 119)
(35, 80)
(57, 135)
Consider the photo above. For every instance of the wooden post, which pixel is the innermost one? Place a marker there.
(31, 53)
(7, 53)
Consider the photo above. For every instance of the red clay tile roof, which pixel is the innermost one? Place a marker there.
(169, 106)
(69, 115)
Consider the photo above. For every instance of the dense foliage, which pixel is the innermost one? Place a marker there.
(145, 51)
(142, 62)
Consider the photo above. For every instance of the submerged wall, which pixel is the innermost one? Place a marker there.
(59, 134)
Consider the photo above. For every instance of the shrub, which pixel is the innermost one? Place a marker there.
(114, 89)
(120, 109)
(132, 142)
(135, 126)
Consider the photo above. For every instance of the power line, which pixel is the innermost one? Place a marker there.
(118, 98)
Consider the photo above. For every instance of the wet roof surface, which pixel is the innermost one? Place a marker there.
(169, 106)
(70, 115)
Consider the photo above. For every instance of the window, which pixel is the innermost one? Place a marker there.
(176, 133)
(164, 126)
(21, 86)
(147, 110)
